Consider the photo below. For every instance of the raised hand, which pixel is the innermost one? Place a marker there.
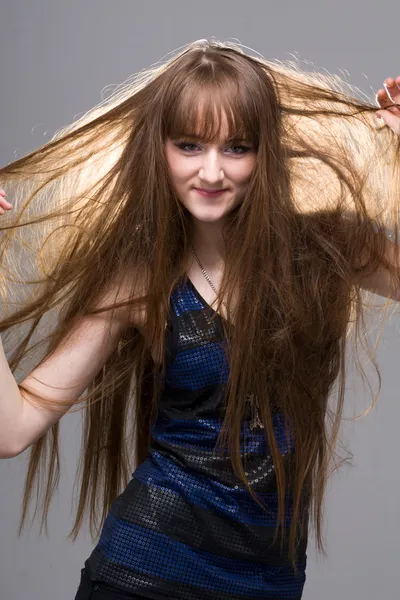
(388, 99)
(4, 204)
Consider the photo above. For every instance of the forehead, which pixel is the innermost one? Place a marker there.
(215, 114)
(207, 119)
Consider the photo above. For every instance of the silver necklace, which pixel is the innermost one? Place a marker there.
(256, 421)
(204, 271)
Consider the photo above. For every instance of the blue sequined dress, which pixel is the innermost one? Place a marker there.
(185, 527)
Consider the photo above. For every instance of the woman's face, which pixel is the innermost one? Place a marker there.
(197, 168)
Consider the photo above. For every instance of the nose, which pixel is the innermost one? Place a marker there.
(211, 170)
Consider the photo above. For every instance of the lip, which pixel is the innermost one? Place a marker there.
(210, 193)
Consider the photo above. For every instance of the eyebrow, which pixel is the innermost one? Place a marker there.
(197, 138)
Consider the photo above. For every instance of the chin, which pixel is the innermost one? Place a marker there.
(208, 217)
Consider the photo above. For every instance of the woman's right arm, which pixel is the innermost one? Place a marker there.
(63, 376)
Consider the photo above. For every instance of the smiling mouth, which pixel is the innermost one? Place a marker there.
(210, 192)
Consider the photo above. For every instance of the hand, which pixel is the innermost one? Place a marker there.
(4, 204)
(386, 99)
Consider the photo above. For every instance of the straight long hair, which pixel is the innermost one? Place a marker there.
(96, 205)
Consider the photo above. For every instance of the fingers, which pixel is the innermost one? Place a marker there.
(4, 204)
(391, 121)
(390, 94)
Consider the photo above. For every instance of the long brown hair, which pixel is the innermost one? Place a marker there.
(97, 203)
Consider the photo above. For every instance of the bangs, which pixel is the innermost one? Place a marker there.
(212, 112)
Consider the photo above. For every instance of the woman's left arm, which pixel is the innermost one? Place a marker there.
(380, 282)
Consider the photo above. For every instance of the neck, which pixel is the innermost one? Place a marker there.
(209, 245)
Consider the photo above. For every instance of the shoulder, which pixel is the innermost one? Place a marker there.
(338, 225)
(121, 292)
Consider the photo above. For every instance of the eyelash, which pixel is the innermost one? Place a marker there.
(182, 146)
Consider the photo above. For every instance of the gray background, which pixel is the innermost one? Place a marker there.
(56, 58)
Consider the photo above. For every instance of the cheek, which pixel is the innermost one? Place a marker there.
(178, 169)
(243, 174)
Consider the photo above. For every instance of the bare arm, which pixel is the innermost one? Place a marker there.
(64, 376)
(381, 282)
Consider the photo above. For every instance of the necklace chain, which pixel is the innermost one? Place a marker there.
(204, 271)
(256, 421)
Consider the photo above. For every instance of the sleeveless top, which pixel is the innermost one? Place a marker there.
(186, 527)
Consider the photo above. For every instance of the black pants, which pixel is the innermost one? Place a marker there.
(92, 590)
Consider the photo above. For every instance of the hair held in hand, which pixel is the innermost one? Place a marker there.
(95, 206)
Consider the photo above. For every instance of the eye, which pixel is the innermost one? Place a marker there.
(242, 149)
(190, 147)
(186, 146)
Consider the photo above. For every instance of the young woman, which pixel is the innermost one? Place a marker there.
(197, 246)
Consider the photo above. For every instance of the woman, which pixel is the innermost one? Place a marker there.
(216, 221)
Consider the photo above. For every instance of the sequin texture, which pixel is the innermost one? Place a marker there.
(186, 527)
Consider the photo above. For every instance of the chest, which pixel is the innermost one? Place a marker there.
(206, 291)
(193, 318)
